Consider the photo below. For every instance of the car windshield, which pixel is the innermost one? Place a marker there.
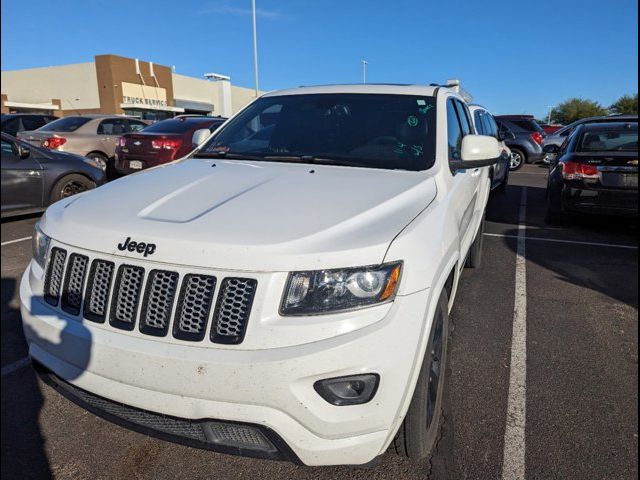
(176, 125)
(361, 130)
(614, 140)
(67, 124)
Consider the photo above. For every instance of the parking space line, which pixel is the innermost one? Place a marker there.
(9, 242)
(17, 365)
(556, 240)
(513, 462)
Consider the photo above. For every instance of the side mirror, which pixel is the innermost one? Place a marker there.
(551, 148)
(506, 134)
(20, 150)
(199, 136)
(477, 151)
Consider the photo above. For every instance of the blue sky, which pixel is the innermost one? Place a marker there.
(513, 56)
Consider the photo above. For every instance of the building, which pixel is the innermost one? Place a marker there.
(117, 85)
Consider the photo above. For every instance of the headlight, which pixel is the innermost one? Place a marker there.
(39, 245)
(323, 291)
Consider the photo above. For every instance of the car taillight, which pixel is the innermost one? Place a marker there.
(122, 142)
(167, 144)
(54, 142)
(537, 137)
(579, 171)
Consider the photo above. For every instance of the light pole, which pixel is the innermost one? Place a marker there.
(364, 71)
(255, 44)
(550, 107)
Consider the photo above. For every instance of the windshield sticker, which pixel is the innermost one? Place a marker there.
(412, 120)
(421, 102)
(425, 109)
(400, 148)
(416, 150)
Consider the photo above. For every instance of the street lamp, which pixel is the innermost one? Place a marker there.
(364, 71)
(550, 107)
(255, 44)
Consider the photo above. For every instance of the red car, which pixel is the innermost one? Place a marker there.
(549, 129)
(161, 142)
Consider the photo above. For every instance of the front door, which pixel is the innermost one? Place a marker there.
(21, 179)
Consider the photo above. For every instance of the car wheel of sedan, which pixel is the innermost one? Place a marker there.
(71, 185)
(100, 159)
(516, 159)
(419, 433)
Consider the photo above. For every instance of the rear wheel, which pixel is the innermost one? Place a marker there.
(70, 185)
(418, 435)
(517, 159)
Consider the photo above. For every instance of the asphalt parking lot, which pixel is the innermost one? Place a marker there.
(575, 417)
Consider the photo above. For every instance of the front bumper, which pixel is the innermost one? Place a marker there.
(271, 388)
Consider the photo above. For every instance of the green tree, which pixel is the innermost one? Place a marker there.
(575, 109)
(627, 104)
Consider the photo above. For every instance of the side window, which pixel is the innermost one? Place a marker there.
(7, 148)
(454, 131)
(12, 126)
(112, 126)
(32, 123)
(465, 120)
(477, 117)
(136, 126)
(493, 126)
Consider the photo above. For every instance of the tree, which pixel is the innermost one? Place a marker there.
(575, 109)
(627, 104)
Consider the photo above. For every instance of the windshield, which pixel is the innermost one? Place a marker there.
(364, 130)
(609, 141)
(68, 124)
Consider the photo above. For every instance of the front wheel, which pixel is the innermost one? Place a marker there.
(419, 432)
(517, 159)
(70, 185)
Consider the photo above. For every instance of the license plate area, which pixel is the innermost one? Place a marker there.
(135, 164)
(619, 180)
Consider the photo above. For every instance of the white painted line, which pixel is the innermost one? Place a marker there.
(513, 462)
(9, 242)
(17, 365)
(574, 242)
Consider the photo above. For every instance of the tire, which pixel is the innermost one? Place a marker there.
(502, 188)
(517, 160)
(419, 433)
(70, 185)
(474, 258)
(108, 165)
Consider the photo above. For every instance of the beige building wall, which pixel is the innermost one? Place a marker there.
(241, 97)
(196, 90)
(76, 86)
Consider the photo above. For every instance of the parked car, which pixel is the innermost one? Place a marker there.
(12, 123)
(33, 178)
(559, 137)
(161, 142)
(526, 147)
(91, 136)
(485, 124)
(284, 292)
(596, 171)
(550, 129)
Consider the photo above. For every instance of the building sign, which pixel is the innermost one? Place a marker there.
(143, 95)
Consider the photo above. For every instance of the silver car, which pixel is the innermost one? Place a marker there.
(92, 136)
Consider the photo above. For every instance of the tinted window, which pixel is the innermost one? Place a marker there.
(528, 125)
(454, 132)
(11, 126)
(614, 140)
(136, 126)
(175, 125)
(31, 123)
(112, 126)
(6, 148)
(371, 130)
(477, 117)
(68, 124)
(463, 115)
(493, 126)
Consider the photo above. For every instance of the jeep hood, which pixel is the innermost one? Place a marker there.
(242, 215)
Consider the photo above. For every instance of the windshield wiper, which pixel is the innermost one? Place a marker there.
(315, 160)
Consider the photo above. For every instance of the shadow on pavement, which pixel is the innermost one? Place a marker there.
(23, 443)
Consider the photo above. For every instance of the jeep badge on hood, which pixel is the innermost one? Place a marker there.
(140, 247)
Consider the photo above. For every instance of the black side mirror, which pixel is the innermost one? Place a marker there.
(20, 150)
(551, 148)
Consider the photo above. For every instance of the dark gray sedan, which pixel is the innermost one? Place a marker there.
(34, 178)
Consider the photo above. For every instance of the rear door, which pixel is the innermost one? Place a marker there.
(109, 132)
(21, 179)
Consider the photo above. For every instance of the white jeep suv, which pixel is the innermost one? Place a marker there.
(284, 291)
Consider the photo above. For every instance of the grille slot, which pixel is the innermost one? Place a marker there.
(96, 298)
(73, 283)
(126, 296)
(158, 302)
(194, 306)
(233, 310)
(242, 436)
(53, 279)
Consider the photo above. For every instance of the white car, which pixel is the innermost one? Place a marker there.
(485, 124)
(283, 292)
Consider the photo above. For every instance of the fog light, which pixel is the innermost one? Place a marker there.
(351, 390)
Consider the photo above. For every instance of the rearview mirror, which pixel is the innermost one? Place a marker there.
(199, 136)
(477, 151)
(20, 150)
(551, 148)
